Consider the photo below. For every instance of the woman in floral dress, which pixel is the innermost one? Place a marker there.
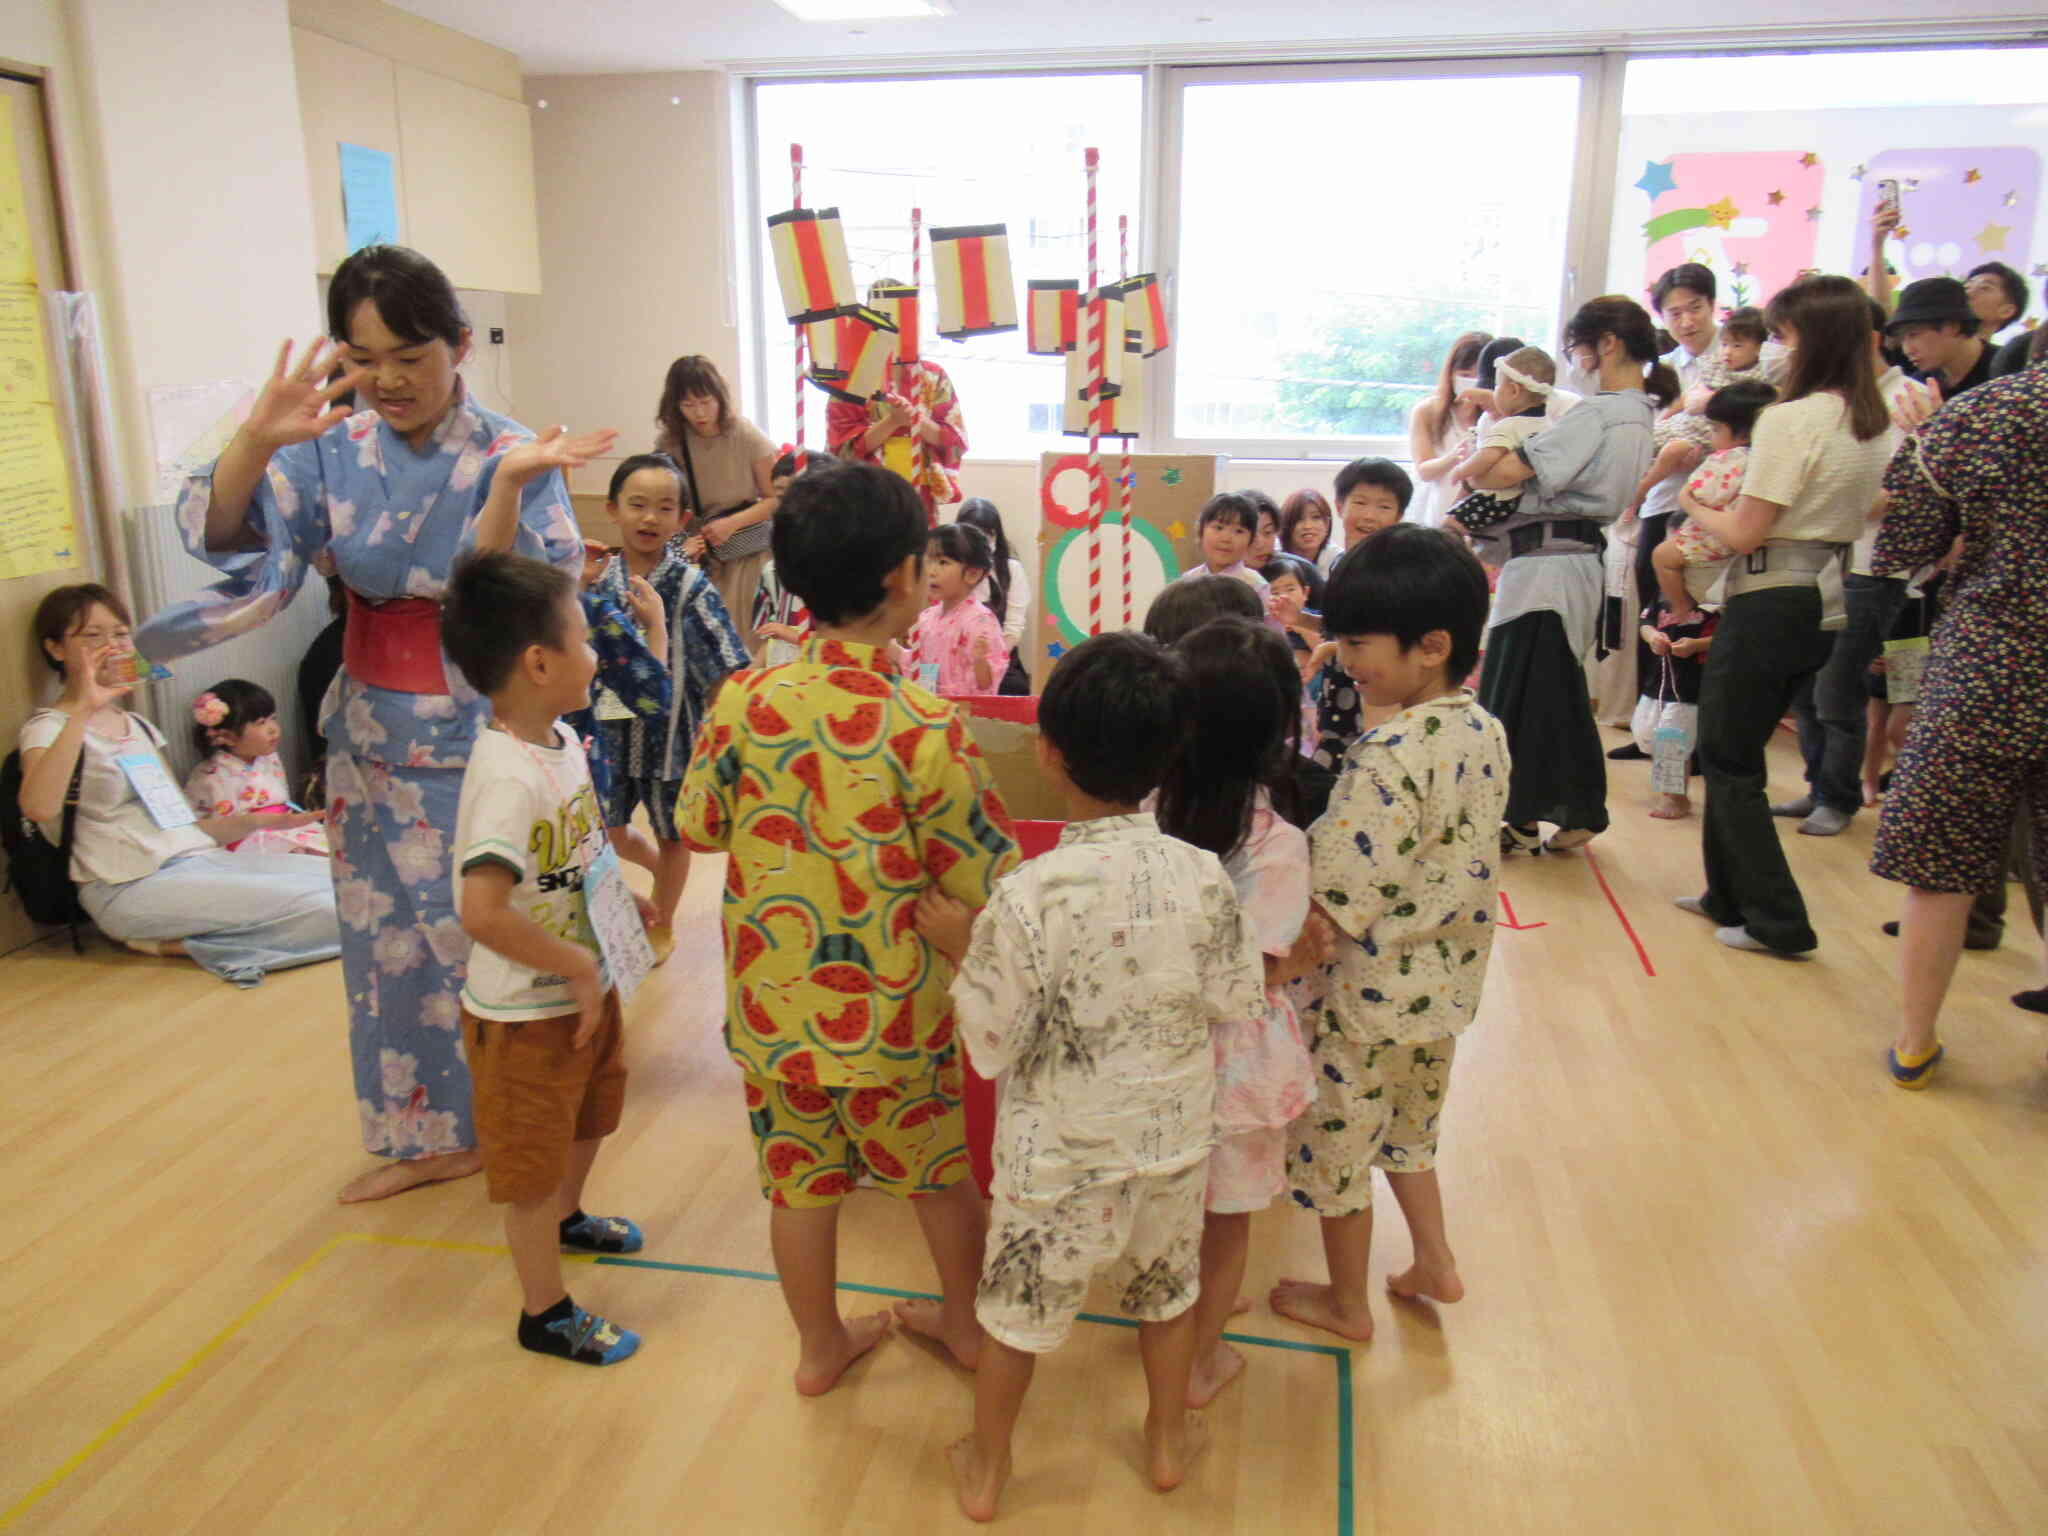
(389, 492)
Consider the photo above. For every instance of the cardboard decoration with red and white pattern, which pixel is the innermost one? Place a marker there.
(971, 272)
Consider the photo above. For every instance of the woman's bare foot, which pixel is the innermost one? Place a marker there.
(1170, 1449)
(1316, 1305)
(979, 1483)
(1671, 808)
(858, 1335)
(927, 1317)
(397, 1176)
(1214, 1370)
(1437, 1282)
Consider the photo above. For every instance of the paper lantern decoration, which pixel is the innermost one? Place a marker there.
(1053, 316)
(851, 352)
(1145, 311)
(971, 271)
(810, 263)
(1125, 416)
(900, 303)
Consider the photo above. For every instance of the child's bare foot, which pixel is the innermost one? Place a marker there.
(816, 1377)
(1242, 1305)
(397, 1176)
(1437, 1282)
(1671, 808)
(1170, 1449)
(928, 1318)
(1214, 1370)
(1869, 793)
(978, 1483)
(1316, 1305)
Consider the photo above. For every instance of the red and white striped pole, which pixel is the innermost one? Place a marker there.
(917, 443)
(796, 178)
(1123, 263)
(1097, 497)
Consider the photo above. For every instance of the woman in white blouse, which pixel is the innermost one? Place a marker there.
(1816, 461)
(148, 874)
(1440, 427)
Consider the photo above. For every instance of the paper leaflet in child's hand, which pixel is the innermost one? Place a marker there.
(615, 923)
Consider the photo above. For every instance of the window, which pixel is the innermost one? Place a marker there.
(982, 150)
(1338, 229)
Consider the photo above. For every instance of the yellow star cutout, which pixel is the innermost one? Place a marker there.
(1176, 529)
(1972, 175)
(1721, 214)
(1992, 237)
(1774, 198)
(1809, 159)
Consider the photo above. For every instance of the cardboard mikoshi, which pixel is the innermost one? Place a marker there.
(971, 274)
(900, 304)
(1053, 321)
(1168, 490)
(1010, 746)
(810, 263)
(1125, 416)
(1109, 313)
(850, 353)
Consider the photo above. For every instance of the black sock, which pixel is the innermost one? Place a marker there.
(533, 1326)
(2034, 1000)
(572, 1219)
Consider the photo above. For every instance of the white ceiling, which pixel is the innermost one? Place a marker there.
(630, 36)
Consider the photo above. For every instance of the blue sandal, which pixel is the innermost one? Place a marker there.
(1914, 1074)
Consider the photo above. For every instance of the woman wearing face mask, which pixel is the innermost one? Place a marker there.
(1440, 429)
(389, 490)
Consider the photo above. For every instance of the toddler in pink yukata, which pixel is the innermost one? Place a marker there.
(957, 648)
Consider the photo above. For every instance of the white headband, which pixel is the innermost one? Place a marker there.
(1535, 387)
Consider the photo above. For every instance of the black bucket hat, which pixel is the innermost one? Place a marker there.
(1933, 301)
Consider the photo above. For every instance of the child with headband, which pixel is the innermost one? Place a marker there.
(1523, 382)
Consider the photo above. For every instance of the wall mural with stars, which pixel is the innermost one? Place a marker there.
(1761, 197)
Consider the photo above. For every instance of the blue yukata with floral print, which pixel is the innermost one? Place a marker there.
(392, 519)
(704, 649)
(626, 669)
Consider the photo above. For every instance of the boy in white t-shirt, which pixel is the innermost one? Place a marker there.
(540, 1018)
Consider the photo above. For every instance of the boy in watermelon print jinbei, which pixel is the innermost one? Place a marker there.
(842, 793)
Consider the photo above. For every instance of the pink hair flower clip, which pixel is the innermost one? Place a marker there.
(208, 709)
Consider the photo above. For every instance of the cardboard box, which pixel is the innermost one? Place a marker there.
(1166, 499)
(1006, 730)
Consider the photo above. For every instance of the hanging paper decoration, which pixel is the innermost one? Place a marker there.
(810, 263)
(1145, 311)
(971, 270)
(899, 301)
(1109, 311)
(1123, 412)
(1053, 316)
(850, 353)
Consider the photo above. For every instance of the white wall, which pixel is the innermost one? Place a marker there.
(630, 172)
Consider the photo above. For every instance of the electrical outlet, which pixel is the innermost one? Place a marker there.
(497, 335)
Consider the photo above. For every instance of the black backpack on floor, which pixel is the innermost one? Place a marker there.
(37, 872)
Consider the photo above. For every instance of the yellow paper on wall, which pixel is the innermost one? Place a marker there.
(35, 493)
(24, 369)
(17, 252)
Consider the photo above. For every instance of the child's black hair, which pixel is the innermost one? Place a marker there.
(841, 528)
(980, 512)
(1746, 324)
(786, 465)
(1736, 406)
(246, 703)
(964, 544)
(1230, 507)
(1406, 581)
(1488, 371)
(1245, 727)
(1265, 506)
(1384, 473)
(1116, 710)
(497, 604)
(1303, 571)
(1190, 603)
(628, 468)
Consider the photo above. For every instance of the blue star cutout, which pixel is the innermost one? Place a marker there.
(1657, 178)
(1056, 650)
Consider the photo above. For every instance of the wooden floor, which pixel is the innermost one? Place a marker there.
(1723, 1277)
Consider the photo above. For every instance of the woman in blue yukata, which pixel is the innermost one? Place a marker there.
(390, 492)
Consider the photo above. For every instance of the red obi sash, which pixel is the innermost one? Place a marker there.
(395, 645)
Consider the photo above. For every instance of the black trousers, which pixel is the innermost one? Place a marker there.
(1534, 684)
(1769, 643)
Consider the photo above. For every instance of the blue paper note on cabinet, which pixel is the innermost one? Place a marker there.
(369, 196)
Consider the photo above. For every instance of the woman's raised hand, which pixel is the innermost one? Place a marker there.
(555, 449)
(83, 685)
(297, 404)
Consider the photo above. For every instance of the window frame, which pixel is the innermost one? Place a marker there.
(1591, 199)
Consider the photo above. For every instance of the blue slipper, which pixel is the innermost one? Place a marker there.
(1914, 1075)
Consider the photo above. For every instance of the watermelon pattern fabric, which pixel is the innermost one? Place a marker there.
(841, 791)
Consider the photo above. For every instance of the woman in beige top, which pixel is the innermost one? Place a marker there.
(1816, 461)
(727, 462)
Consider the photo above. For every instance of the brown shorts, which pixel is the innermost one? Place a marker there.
(534, 1097)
